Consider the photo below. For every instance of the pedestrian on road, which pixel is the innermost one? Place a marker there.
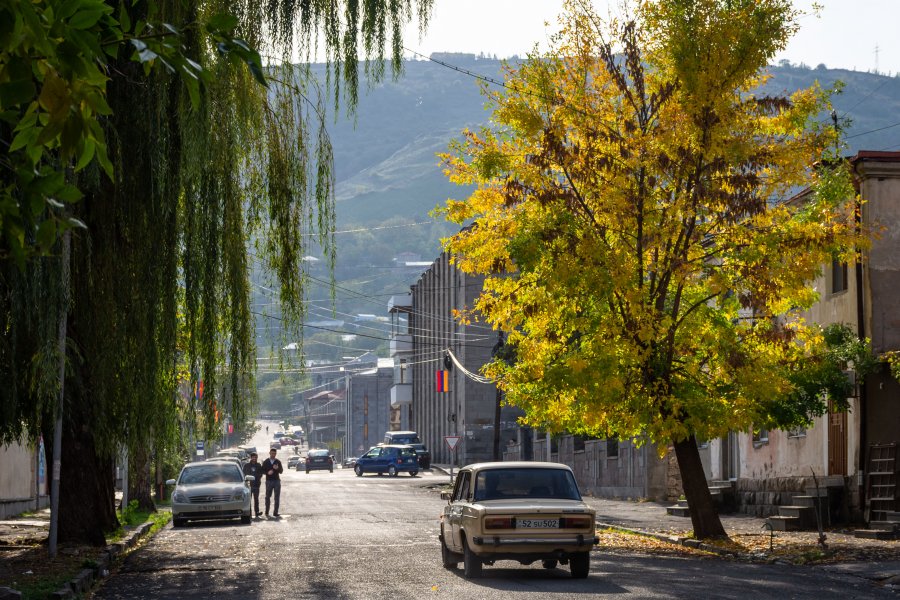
(254, 468)
(273, 469)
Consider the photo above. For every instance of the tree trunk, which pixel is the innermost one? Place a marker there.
(704, 516)
(87, 487)
(139, 487)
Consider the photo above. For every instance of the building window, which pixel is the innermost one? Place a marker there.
(612, 448)
(798, 432)
(760, 438)
(838, 276)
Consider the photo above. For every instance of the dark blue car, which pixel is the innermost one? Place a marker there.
(390, 459)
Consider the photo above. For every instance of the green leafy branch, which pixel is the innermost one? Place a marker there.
(54, 60)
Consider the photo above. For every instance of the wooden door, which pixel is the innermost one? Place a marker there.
(837, 441)
(729, 457)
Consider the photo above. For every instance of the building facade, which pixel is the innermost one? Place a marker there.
(445, 398)
(368, 408)
(770, 467)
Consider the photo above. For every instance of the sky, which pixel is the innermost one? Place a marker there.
(860, 35)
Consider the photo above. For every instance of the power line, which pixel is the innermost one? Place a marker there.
(850, 137)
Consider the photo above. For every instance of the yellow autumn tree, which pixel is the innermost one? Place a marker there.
(636, 214)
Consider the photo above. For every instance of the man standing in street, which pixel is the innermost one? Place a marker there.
(273, 469)
(254, 468)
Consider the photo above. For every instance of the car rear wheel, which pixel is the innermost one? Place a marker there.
(580, 565)
(413, 473)
(549, 563)
(471, 563)
(449, 559)
(358, 470)
(392, 471)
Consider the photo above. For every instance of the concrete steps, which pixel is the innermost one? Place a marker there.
(679, 510)
(888, 529)
(723, 497)
(801, 515)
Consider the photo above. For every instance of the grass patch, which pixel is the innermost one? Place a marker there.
(36, 575)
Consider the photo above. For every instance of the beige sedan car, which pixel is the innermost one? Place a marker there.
(522, 511)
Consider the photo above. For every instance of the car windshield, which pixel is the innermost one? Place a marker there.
(409, 439)
(495, 484)
(220, 473)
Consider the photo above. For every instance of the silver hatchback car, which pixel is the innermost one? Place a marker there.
(210, 490)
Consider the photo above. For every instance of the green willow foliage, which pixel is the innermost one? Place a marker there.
(159, 291)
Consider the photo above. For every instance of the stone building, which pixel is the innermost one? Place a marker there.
(440, 343)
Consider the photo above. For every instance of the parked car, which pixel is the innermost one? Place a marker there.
(349, 462)
(215, 489)
(278, 435)
(294, 461)
(410, 438)
(287, 440)
(275, 444)
(391, 459)
(230, 459)
(248, 449)
(318, 460)
(522, 511)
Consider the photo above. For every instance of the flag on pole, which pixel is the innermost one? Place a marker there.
(442, 381)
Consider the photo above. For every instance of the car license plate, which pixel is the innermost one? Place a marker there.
(210, 507)
(537, 523)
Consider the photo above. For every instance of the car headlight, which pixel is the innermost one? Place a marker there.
(239, 496)
(179, 496)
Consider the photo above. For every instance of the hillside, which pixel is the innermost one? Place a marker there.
(388, 174)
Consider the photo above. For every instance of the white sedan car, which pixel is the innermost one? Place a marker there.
(211, 490)
(522, 511)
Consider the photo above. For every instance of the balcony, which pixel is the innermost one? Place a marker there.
(401, 344)
(401, 394)
(400, 303)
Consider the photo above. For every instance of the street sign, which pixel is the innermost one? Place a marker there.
(199, 445)
(452, 441)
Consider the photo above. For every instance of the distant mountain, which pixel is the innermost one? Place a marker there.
(386, 164)
(388, 175)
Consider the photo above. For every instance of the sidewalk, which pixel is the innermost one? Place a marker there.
(24, 556)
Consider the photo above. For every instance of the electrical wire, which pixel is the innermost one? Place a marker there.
(473, 376)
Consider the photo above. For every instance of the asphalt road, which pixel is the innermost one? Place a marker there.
(342, 536)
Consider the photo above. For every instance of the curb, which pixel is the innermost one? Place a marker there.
(85, 579)
(678, 541)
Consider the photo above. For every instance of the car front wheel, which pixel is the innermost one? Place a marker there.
(580, 565)
(179, 522)
(471, 563)
(413, 473)
(392, 471)
(549, 563)
(246, 520)
(358, 470)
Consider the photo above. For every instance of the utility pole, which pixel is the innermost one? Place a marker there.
(496, 350)
(57, 432)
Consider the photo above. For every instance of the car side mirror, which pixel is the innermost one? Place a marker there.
(249, 478)
(170, 482)
(446, 496)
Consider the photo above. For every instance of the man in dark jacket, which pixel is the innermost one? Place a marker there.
(254, 468)
(273, 469)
